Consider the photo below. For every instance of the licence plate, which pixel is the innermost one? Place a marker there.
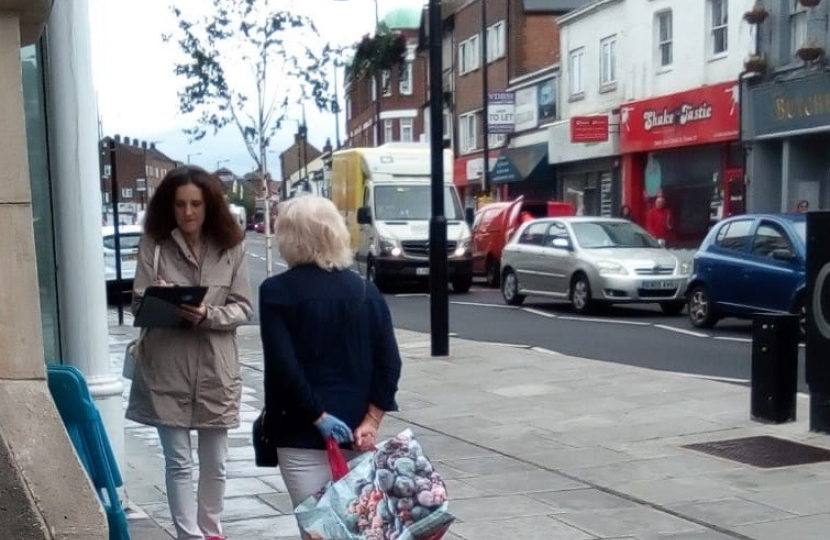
(659, 285)
(130, 257)
(422, 271)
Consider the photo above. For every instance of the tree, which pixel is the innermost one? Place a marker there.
(245, 64)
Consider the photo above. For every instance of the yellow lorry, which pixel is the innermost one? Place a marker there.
(384, 194)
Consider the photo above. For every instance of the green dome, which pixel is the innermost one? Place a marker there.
(403, 18)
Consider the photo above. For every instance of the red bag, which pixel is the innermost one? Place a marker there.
(337, 461)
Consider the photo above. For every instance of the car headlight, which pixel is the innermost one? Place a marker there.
(611, 268)
(463, 248)
(685, 268)
(389, 246)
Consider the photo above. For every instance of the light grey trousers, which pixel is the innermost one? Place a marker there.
(195, 515)
(305, 471)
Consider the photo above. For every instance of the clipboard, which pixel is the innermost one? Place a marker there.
(159, 305)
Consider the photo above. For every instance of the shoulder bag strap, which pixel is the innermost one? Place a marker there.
(156, 253)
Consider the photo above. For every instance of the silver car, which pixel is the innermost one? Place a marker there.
(591, 262)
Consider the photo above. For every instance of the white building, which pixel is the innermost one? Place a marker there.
(661, 78)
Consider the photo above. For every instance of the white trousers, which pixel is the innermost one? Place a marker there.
(305, 471)
(195, 515)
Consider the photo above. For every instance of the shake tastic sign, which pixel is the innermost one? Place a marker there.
(701, 116)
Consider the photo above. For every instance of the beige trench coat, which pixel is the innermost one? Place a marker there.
(190, 377)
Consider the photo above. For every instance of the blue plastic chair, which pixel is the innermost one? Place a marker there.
(86, 431)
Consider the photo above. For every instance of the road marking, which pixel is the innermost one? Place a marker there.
(606, 321)
(539, 312)
(412, 295)
(482, 304)
(737, 339)
(715, 378)
(681, 331)
(281, 265)
(546, 351)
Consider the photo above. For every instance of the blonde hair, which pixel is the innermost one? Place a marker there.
(310, 230)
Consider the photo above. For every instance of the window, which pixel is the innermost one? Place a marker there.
(349, 108)
(388, 131)
(798, 27)
(467, 132)
(107, 170)
(608, 61)
(733, 235)
(720, 30)
(534, 234)
(374, 88)
(577, 63)
(447, 126)
(496, 140)
(406, 130)
(386, 77)
(496, 46)
(106, 197)
(126, 193)
(469, 55)
(405, 83)
(663, 24)
(768, 239)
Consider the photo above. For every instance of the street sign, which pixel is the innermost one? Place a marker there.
(588, 129)
(501, 108)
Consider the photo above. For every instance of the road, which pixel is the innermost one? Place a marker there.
(634, 335)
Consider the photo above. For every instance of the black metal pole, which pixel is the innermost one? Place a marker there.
(377, 79)
(485, 85)
(336, 110)
(438, 295)
(116, 231)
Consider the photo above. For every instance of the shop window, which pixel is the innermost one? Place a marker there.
(577, 65)
(665, 34)
(719, 32)
(608, 61)
(733, 235)
(41, 185)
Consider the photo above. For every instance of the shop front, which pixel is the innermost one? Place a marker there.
(585, 153)
(467, 176)
(787, 133)
(523, 170)
(684, 149)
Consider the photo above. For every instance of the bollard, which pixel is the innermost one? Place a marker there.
(774, 368)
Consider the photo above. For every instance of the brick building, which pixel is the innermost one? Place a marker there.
(295, 159)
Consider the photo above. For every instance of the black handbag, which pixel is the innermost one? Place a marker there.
(265, 451)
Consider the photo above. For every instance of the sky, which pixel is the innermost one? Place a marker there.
(136, 88)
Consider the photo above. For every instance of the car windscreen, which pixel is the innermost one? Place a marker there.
(413, 202)
(612, 234)
(801, 228)
(128, 241)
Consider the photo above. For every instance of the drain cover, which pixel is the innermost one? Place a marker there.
(764, 452)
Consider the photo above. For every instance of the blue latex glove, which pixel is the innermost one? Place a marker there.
(331, 426)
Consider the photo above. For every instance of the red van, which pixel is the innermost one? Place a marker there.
(494, 224)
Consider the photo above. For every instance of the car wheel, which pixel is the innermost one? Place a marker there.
(701, 311)
(581, 295)
(371, 275)
(462, 284)
(492, 272)
(510, 288)
(800, 309)
(672, 308)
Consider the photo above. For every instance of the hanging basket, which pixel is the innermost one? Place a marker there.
(757, 14)
(809, 3)
(810, 54)
(755, 64)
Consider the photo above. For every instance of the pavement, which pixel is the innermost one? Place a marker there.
(535, 444)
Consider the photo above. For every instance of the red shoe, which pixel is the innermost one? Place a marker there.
(216, 538)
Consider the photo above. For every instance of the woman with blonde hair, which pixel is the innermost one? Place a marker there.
(331, 359)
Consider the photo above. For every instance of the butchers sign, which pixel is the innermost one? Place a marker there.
(704, 115)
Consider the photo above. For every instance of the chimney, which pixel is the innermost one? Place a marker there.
(135, 143)
(118, 139)
(152, 146)
(144, 145)
(127, 141)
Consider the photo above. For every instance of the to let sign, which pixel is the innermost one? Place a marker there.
(588, 129)
(501, 108)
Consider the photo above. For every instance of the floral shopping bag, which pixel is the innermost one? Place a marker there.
(392, 493)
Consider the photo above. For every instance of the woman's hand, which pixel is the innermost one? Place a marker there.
(193, 314)
(366, 435)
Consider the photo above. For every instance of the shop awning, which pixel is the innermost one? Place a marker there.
(517, 164)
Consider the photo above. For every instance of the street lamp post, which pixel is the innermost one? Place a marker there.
(221, 161)
(189, 155)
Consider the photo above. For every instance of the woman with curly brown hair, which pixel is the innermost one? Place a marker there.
(188, 377)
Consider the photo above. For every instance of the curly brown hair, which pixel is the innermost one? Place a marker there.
(219, 226)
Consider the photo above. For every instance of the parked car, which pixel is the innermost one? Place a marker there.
(259, 227)
(592, 261)
(129, 236)
(493, 225)
(754, 263)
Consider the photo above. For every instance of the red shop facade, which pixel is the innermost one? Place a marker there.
(685, 148)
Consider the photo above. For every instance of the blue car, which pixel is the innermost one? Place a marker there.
(749, 264)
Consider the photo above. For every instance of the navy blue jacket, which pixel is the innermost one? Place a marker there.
(330, 346)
